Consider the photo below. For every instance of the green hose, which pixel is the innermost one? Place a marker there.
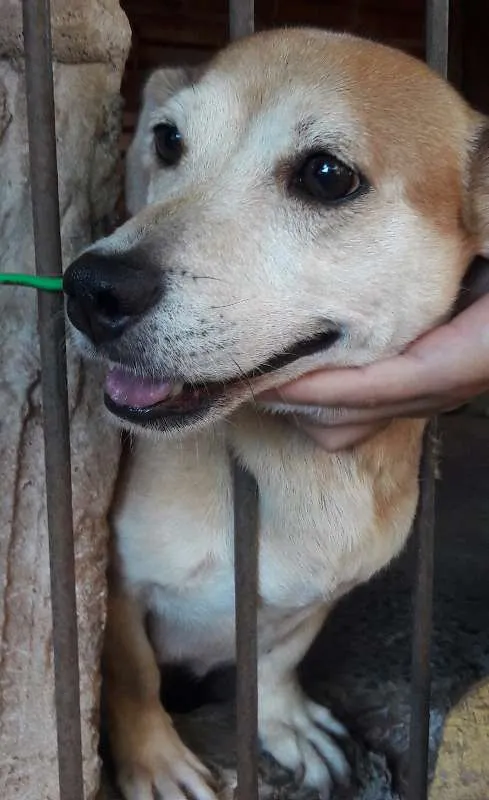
(49, 283)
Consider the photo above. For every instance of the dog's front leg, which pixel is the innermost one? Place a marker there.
(148, 753)
(300, 734)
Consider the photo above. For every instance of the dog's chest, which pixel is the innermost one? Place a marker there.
(175, 528)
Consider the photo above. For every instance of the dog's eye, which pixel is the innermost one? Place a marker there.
(326, 178)
(168, 143)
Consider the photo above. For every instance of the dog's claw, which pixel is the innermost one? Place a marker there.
(325, 720)
(324, 792)
(301, 736)
(299, 774)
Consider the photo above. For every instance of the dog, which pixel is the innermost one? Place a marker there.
(306, 200)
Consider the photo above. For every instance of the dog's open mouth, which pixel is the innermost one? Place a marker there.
(144, 400)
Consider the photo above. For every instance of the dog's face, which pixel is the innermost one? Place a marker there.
(309, 199)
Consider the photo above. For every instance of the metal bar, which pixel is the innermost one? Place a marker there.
(242, 23)
(437, 40)
(241, 18)
(45, 212)
(246, 594)
(437, 50)
(422, 612)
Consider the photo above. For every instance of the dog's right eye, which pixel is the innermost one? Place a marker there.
(325, 178)
(168, 143)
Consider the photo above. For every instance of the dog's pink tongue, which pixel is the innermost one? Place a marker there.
(127, 389)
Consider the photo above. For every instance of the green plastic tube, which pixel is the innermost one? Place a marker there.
(48, 283)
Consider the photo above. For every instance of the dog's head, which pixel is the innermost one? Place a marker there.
(308, 199)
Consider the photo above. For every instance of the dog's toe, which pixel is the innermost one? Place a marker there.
(300, 735)
(185, 783)
(181, 781)
(297, 753)
(152, 761)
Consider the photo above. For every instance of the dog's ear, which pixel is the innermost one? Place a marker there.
(161, 85)
(478, 189)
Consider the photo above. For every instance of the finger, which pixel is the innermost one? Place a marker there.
(382, 383)
(453, 355)
(420, 408)
(424, 407)
(352, 426)
(357, 418)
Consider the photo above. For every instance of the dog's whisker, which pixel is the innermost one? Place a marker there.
(208, 278)
(246, 379)
(230, 305)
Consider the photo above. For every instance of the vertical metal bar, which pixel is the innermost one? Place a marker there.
(45, 212)
(242, 23)
(422, 615)
(246, 593)
(437, 49)
(437, 41)
(241, 18)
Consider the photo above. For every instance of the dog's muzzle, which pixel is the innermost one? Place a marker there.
(107, 294)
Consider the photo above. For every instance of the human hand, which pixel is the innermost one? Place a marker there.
(440, 371)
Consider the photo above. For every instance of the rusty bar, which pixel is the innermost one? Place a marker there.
(437, 50)
(242, 23)
(241, 18)
(45, 213)
(246, 593)
(422, 613)
(437, 39)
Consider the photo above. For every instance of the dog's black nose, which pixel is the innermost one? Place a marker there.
(109, 292)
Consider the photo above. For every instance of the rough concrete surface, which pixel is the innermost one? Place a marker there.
(88, 106)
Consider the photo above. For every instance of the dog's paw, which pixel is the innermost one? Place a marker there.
(152, 761)
(303, 737)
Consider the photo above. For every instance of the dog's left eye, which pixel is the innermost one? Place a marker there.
(168, 143)
(327, 179)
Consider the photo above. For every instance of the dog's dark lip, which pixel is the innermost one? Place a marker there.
(306, 347)
(212, 393)
(151, 416)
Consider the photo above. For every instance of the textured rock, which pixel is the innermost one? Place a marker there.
(84, 31)
(93, 39)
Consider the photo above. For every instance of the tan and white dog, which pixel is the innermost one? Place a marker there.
(308, 199)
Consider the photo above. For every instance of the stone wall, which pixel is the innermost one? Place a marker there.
(91, 40)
